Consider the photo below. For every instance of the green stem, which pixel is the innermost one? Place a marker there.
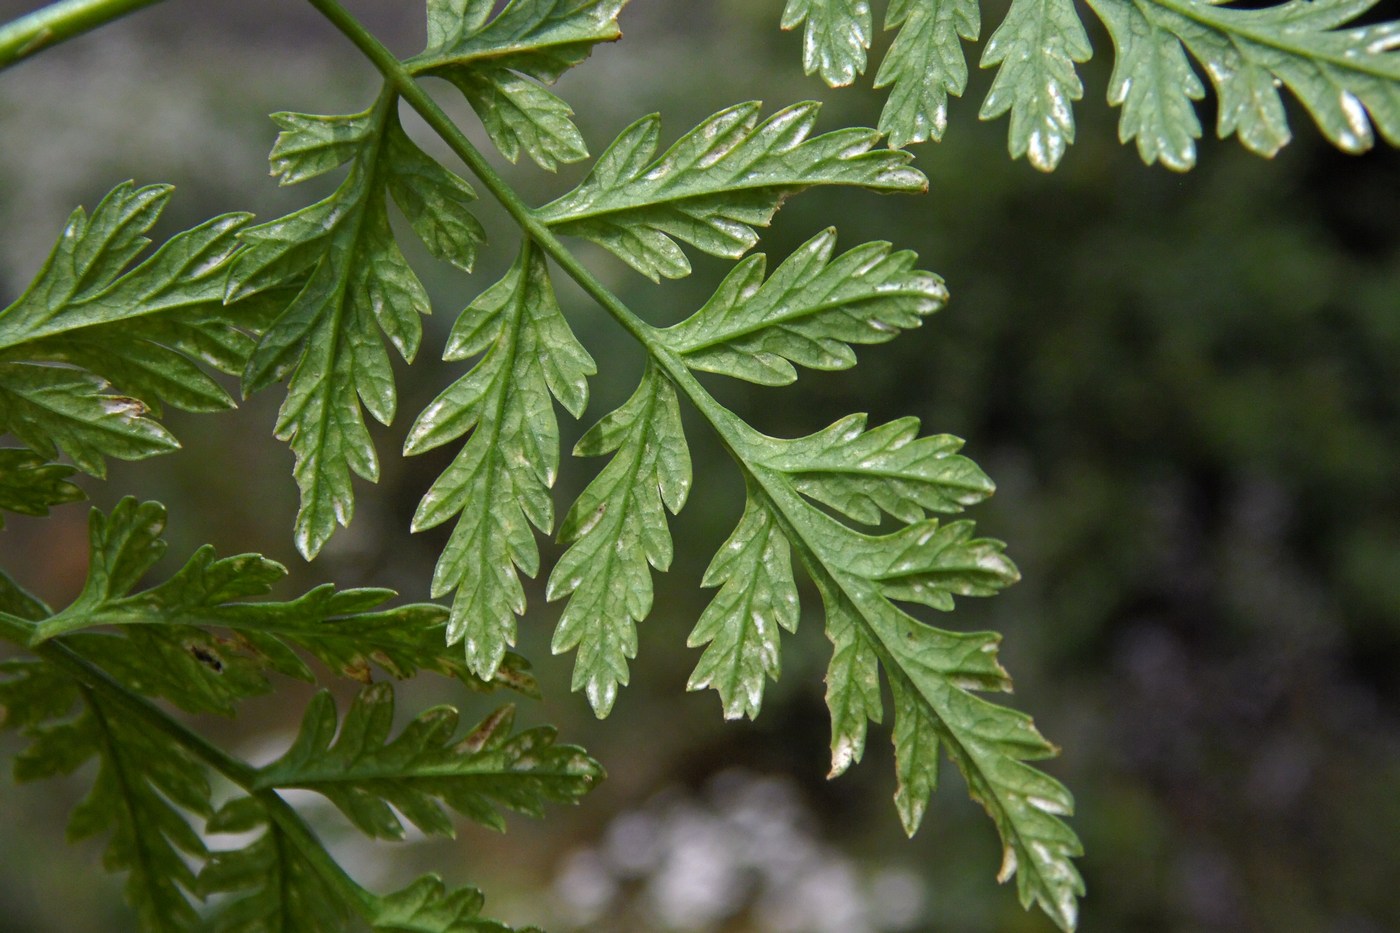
(58, 22)
(239, 772)
(733, 432)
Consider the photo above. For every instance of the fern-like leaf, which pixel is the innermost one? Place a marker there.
(145, 788)
(274, 888)
(1036, 47)
(807, 313)
(424, 769)
(95, 345)
(616, 532)
(931, 672)
(499, 483)
(1347, 77)
(924, 65)
(835, 39)
(502, 63)
(357, 285)
(740, 626)
(429, 906)
(800, 494)
(715, 184)
(197, 640)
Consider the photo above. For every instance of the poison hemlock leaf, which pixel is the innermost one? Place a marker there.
(499, 482)
(145, 786)
(165, 646)
(95, 345)
(800, 493)
(424, 769)
(715, 184)
(357, 284)
(616, 532)
(502, 63)
(1348, 78)
(807, 313)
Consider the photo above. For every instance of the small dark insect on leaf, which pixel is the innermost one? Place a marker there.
(207, 658)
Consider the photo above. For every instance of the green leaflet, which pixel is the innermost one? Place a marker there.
(931, 672)
(165, 648)
(715, 184)
(859, 473)
(277, 890)
(145, 786)
(427, 906)
(834, 42)
(807, 313)
(1154, 84)
(500, 480)
(424, 769)
(501, 63)
(740, 626)
(863, 474)
(1037, 46)
(30, 485)
(924, 65)
(1348, 79)
(95, 345)
(357, 284)
(616, 532)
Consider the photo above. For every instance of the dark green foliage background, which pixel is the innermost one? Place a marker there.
(1186, 387)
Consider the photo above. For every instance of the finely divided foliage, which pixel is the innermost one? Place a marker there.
(1347, 77)
(868, 512)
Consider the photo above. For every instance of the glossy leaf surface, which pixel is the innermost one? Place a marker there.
(358, 285)
(715, 184)
(499, 483)
(617, 532)
(365, 773)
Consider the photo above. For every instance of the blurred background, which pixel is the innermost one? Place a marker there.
(1187, 388)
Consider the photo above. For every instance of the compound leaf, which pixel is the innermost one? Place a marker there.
(421, 771)
(165, 646)
(1347, 79)
(145, 786)
(715, 184)
(500, 480)
(835, 39)
(428, 906)
(95, 345)
(357, 285)
(616, 532)
(924, 64)
(807, 313)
